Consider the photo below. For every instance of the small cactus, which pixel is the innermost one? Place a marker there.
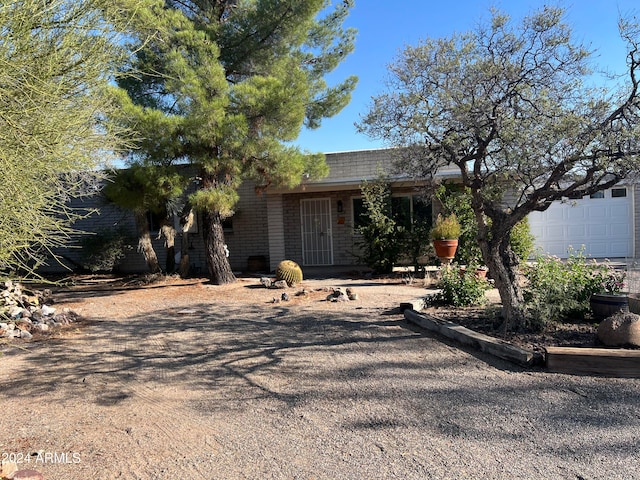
(289, 271)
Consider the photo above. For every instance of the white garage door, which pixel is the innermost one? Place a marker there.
(603, 223)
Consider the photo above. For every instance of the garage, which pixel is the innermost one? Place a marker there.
(602, 222)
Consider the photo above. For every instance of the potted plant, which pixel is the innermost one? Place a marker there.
(611, 299)
(445, 234)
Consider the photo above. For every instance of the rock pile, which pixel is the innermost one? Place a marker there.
(24, 312)
(336, 294)
(339, 295)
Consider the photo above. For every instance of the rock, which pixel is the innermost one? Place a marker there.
(280, 284)
(620, 329)
(266, 281)
(26, 335)
(47, 310)
(15, 311)
(26, 475)
(40, 328)
(285, 297)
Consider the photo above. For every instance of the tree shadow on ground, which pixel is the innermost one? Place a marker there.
(225, 357)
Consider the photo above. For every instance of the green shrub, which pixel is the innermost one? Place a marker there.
(522, 240)
(559, 290)
(103, 251)
(461, 288)
(382, 238)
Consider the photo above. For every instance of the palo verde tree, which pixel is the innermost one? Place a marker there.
(55, 63)
(227, 85)
(510, 104)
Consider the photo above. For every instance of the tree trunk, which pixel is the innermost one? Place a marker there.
(218, 265)
(169, 234)
(503, 265)
(144, 242)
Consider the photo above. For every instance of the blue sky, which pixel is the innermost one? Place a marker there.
(385, 27)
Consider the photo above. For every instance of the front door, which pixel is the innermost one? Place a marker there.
(317, 242)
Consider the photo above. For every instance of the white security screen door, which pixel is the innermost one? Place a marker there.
(317, 242)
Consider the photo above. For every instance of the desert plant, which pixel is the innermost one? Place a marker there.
(446, 228)
(102, 251)
(558, 290)
(382, 238)
(461, 288)
(289, 271)
(522, 240)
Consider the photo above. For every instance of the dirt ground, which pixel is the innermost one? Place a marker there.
(181, 379)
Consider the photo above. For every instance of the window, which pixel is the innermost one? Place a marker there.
(599, 194)
(155, 221)
(406, 210)
(575, 196)
(618, 192)
(359, 212)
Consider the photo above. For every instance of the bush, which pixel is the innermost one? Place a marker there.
(557, 291)
(522, 240)
(382, 238)
(461, 288)
(102, 251)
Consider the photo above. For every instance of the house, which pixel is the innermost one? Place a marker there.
(314, 224)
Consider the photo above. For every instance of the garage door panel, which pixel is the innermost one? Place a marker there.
(603, 225)
(576, 231)
(597, 249)
(556, 234)
(619, 212)
(576, 213)
(620, 229)
(555, 215)
(600, 213)
(558, 248)
(595, 232)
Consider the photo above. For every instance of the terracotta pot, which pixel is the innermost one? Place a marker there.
(479, 272)
(604, 305)
(445, 249)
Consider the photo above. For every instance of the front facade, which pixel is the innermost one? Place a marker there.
(315, 223)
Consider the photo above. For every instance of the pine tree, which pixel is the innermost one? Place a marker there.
(227, 85)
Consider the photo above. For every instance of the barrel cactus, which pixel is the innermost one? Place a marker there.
(289, 271)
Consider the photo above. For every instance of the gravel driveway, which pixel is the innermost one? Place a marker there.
(203, 382)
